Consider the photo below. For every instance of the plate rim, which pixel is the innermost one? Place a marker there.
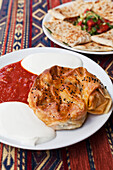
(46, 32)
(59, 49)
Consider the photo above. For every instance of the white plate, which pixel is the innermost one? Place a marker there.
(67, 137)
(47, 33)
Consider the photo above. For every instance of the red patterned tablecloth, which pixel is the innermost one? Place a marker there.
(20, 27)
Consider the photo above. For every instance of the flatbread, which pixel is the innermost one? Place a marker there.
(73, 10)
(104, 8)
(92, 46)
(67, 33)
(104, 38)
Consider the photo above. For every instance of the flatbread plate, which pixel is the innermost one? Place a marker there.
(65, 137)
(48, 17)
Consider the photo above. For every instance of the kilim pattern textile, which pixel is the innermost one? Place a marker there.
(21, 27)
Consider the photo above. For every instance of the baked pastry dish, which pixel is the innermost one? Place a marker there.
(61, 97)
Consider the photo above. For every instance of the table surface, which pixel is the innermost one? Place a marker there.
(20, 27)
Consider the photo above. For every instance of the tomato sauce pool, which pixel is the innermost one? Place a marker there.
(15, 83)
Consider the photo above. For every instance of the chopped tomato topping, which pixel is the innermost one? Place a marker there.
(86, 10)
(99, 21)
(106, 20)
(89, 29)
(103, 28)
(80, 23)
(93, 23)
(90, 23)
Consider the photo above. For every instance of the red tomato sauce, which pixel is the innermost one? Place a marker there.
(15, 83)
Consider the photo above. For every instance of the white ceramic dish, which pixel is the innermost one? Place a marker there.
(67, 137)
(47, 33)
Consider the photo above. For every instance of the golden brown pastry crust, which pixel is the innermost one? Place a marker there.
(61, 97)
(95, 95)
(52, 100)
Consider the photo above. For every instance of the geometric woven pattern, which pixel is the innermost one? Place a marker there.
(3, 18)
(38, 37)
(21, 27)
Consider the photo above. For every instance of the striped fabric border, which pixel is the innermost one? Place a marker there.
(1, 4)
(21, 27)
(3, 20)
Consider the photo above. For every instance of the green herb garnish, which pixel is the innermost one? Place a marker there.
(110, 26)
(66, 43)
(49, 30)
